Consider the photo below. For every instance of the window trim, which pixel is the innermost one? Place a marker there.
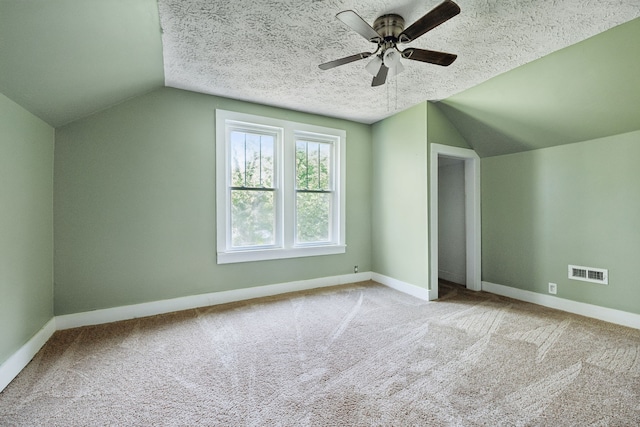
(285, 246)
(334, 141)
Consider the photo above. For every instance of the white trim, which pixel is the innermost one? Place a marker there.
(271, 254)
(285, 134)
(403, 287)
(605, 274)
(619, 317)
(21, 358)
(451, 277)
(472, 213)
(134, 311)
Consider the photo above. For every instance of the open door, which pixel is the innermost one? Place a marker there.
(472, 215)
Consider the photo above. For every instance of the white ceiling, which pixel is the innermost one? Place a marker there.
(268, 51)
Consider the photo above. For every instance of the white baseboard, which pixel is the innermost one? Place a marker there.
(619, 317)
(452, 277)
(401, 286)
(12, 366)
(21, 358)
(134, 311)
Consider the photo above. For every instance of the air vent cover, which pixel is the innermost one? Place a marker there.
(589, 274)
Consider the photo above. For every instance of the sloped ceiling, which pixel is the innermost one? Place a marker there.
(589, 90)
(65, 59)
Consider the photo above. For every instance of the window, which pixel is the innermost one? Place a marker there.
(280, 188)
(253, 187)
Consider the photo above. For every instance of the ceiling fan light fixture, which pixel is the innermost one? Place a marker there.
(374, 65)
(387, 31)
(396, 70)
(391, 58)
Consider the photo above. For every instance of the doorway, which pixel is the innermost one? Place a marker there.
(471, 165)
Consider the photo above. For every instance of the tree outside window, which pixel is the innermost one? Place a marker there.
(280, 188)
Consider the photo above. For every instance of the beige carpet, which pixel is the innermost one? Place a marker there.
(354, 355)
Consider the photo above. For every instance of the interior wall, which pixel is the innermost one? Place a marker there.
(66, 59)
(400, 190)
(585, 91)
(399, 198)
(440, 130)
(452, 246)
(135, 205)
(26, 226)
(573, 204)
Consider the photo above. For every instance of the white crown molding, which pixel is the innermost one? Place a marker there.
(619, 317)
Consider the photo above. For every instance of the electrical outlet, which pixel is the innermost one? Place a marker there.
(553, 288)
(355, 268)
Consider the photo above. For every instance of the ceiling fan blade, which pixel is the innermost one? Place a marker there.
(359, 25)
(345, 60)
(439, 14)
(430, 56)
(381, 77)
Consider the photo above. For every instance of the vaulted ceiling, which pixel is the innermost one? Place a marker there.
(587, 91)
(66, 59)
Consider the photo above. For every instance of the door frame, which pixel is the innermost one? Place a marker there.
(472, 214)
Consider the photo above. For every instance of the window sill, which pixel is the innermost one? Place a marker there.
(272, 254)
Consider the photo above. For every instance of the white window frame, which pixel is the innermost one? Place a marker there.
(285, 246)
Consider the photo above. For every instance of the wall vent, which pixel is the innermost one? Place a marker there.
(589, 274)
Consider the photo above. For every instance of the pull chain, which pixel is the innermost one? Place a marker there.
(396, 92)
(388, 103)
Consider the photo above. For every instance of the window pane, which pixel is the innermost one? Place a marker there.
(252, 218)
(324, 160)
(313, 165)
(237, 159)
(313, 211)
(252, 160)
(267, 163)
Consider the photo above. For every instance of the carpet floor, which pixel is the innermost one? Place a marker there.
(355, 355)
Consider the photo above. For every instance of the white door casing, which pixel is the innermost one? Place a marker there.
(472, 214)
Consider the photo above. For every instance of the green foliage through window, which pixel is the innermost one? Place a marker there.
(313, 191)
(253, 209)
(313, 165)
(280, 188)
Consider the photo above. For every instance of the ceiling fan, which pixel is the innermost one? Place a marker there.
(387, 32)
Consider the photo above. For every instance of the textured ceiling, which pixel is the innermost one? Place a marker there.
(268, 51)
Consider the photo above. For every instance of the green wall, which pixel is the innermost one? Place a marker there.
(573, 204)
(586, 91)
(26, 226)
(440, 130)
(66, 59)
(399, 199)
(135, 205)
(400, 185)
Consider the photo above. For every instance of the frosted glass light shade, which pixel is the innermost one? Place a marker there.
(374, 65)
(391, 58)
(394, 71)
